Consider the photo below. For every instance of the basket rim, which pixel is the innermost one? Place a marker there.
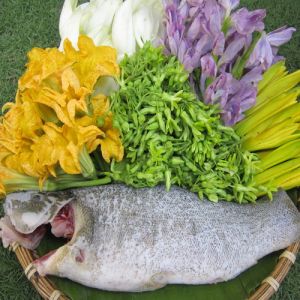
(47, 290)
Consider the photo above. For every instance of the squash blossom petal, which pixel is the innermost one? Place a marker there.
(111, 147)
(2, 191)
(92, 61)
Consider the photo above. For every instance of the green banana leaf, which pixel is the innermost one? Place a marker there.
(238, 289)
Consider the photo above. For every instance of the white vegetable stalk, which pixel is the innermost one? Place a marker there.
(145, 24)
(123, 25)
(66, 13)
(69, 22)
(122, 30)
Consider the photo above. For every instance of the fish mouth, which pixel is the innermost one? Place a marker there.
(62, 226)
(9, 235)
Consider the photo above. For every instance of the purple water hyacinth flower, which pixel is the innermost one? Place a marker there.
(191, 38)
(241, 99)
(215, 37)
(246, 22)
(262, 54)
(234, 97)
(265, 52)
(218, 91)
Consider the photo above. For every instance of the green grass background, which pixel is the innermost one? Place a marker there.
(25, 24)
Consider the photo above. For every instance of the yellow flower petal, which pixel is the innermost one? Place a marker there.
(42, 63)
(69, 79)
(44, 149)
(2, 191)
(111, 146)
(95, 62)
(89, 133)
(69, 159)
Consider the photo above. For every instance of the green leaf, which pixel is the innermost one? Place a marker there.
(238, 289)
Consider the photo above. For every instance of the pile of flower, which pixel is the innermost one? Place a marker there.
(58, 118)
(61, 132)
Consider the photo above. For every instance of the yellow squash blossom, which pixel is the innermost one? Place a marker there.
(92, 61)
(42, 63)
(57, 119)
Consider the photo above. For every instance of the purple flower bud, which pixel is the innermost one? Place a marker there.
(246, 22)
(215, 22)
(188, 63)
(212, 8)
(280, 36)
(184, 10)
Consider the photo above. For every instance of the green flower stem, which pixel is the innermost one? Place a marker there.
(240, 64)
(82, 184)
(51, 185)
(87, 166)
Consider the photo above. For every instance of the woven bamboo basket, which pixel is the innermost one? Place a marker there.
(47, 289)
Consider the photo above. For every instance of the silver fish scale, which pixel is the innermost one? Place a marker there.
(143, 239)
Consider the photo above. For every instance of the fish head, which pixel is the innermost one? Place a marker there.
(31, 209)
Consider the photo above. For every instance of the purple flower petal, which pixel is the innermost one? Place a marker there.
(253, 76)
(208, 70)
(262, 54)
(183, 47)
(173, 45)
(218, 91)
(233, 49)
(229, 5)
(208, 66)
(194, 29)
(219, 44)
(277, 58)
(184, 10)
(280, 36)
(246, 22)
(242, 100)
(195, 2)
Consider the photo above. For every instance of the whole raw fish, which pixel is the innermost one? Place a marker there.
(126, 239)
